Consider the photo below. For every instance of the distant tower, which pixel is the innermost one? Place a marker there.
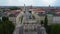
(49, 6)
(31, 7)
(24, 7)
(26, 12)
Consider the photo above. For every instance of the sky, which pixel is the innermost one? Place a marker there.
(29, 2)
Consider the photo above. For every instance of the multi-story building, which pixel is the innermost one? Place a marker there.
(14, 15)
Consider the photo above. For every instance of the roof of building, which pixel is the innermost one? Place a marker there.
(10, 13)
(38, 10)
(57, 10)
(14, 13)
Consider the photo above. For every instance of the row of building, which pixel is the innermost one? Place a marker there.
(13, 15)
(53, 13)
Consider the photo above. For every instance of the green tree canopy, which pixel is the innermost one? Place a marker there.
(41, 22)
(14, 8)
(46, 21)
(6, 26)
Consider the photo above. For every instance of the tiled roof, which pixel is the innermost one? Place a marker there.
(38, 10)
(57, 10)
(14, 13)
(10, 13)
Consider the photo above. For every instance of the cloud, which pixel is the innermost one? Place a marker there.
(48, 2)
(20, 2)
(27, 2)
(3, 2)
(11, 2)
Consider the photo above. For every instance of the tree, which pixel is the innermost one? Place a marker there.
(5, 18)
(45, 21)
(6, 27)
(0, 21)
(41, 22)
(15, 8)
(21, 19)
(54, 29)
